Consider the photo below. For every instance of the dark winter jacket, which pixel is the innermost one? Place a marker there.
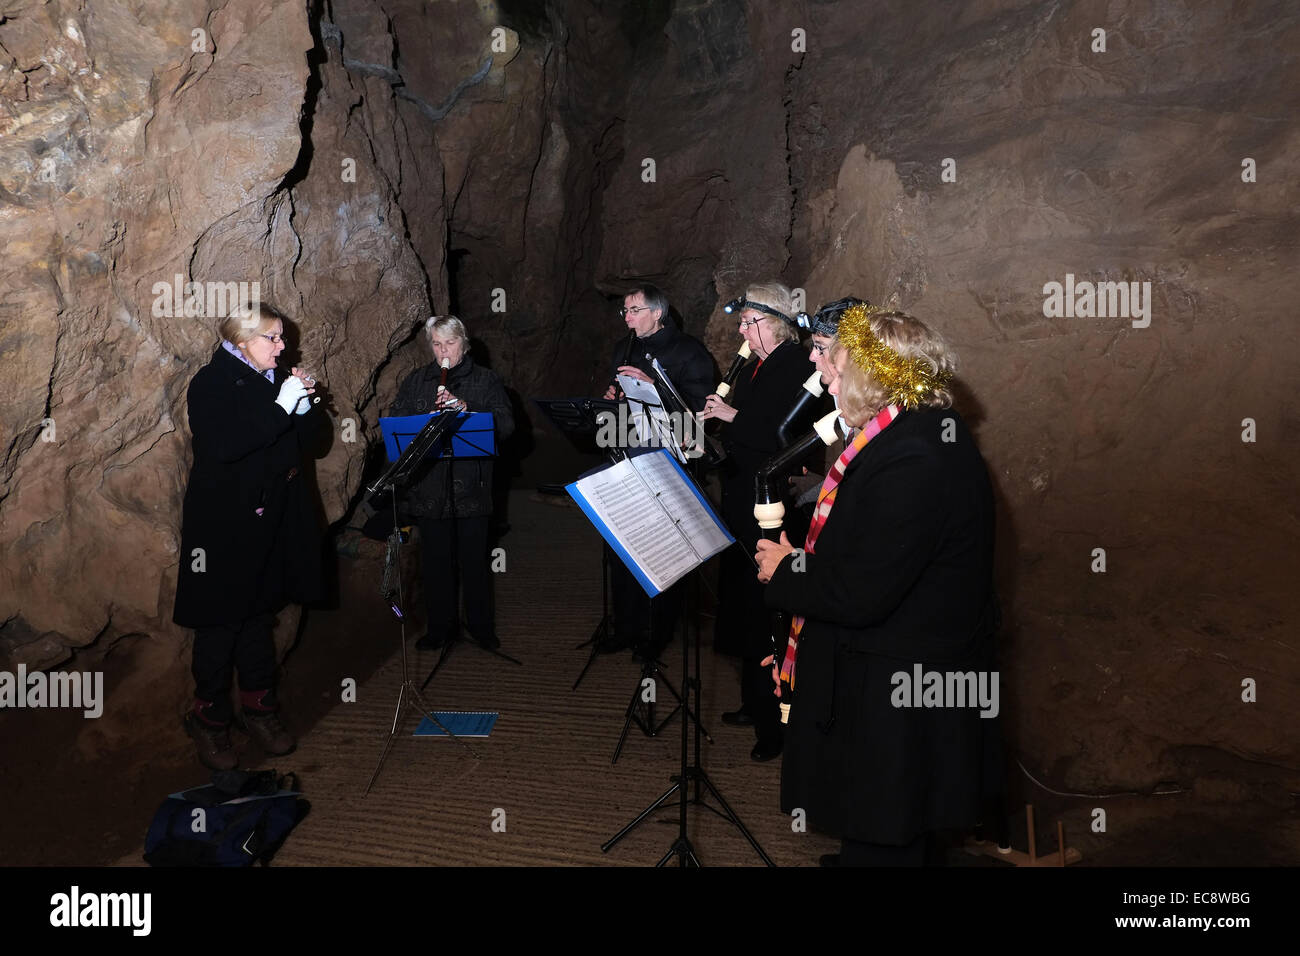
(469, 492)
(688, 363)
(902, 575)
(762, 396)
(249, 455)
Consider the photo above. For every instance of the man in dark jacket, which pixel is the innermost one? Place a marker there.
(250, 538)
(452, 497)
(638, 622)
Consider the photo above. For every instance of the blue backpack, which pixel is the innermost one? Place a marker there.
(242, 816)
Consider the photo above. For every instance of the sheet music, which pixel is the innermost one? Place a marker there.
(698, 527)
(646, 410)
(646, 510)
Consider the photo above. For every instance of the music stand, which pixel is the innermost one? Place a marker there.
(694, 772)
(473, 437)
(575, 418)
(396, 476)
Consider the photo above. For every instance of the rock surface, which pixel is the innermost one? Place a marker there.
(370, 163)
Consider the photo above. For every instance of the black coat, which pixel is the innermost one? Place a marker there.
(248, 454)
(688, 363)
(903, 574)
(761, 398)
(470, 492)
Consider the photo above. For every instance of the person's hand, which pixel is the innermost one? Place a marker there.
(631, 371)
(770, 660)
(611, 393)
(770, 554)
(715, 407)
(292, 391)
(308, 380)
(448, 402)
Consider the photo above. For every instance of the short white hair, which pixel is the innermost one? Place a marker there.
(446, 325)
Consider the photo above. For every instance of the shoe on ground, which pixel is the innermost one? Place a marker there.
(212, 742)
(738, 718)
(265, 727)
(765, 750)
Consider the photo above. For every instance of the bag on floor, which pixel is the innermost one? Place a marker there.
(242, 816)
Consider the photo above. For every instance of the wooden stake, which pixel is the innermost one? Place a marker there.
(1060, 840)
(1029, 822)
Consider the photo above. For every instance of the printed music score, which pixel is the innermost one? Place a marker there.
(653, 517)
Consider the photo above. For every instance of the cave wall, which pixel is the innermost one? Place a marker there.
(824, 167)
(327, 151)
(128, 156)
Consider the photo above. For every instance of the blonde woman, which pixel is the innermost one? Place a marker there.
(250, 537)
(896, 579)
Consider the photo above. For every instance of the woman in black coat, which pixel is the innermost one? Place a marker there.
(452, 498)
(896, 584)
(250, 535)
(763, 395)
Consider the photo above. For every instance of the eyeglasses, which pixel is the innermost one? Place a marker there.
(636, 308)
(274, 338)
(820, 349)
(747, 323)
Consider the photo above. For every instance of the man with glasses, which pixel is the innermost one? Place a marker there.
(689, 366)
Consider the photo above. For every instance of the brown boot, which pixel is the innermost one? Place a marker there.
(212, 741)
(264, 726)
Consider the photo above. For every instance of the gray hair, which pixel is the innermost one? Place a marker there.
(445, 325)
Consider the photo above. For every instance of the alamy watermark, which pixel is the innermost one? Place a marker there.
(81, 690)
(643, 430)
(1086, 300)
(214, 300)
(946, 689)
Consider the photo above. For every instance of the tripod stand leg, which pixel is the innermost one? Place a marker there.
(609, 844)
(684, 852)
(597, 637)
(627, 723)
(388, 744)
(702, 777)
(690, 711)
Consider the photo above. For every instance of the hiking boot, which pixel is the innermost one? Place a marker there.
(265, 727)
(212, 742)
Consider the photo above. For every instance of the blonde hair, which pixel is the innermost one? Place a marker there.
(446, 325)
(777, 296)
(238, 327)
(861, 395)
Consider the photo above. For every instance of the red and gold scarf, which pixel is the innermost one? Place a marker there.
(826, 501)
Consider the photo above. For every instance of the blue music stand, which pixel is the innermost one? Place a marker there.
(474, 436)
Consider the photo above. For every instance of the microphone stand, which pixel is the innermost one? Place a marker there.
(396, 476)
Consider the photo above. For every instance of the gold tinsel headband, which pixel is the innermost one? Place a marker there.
(908, 381)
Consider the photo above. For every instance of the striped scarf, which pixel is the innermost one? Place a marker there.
(826, 501)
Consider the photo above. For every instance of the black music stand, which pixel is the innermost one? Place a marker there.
(470, 445)
(575, 418)
(395, 477)
(692, 773)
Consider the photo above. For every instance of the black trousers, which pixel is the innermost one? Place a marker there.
(758, 700)
(218, 651)
(452, 548)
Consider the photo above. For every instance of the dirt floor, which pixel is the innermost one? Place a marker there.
(544, 777)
